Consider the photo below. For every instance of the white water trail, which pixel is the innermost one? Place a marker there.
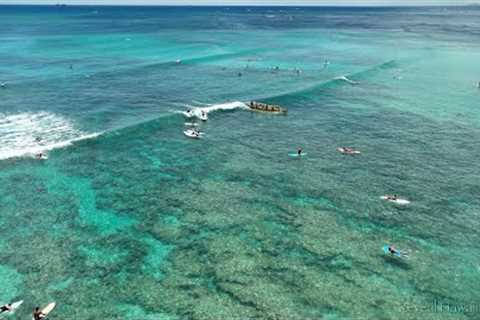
(28, 134)
(344, 78)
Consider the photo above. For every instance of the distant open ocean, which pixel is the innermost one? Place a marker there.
(129, 219)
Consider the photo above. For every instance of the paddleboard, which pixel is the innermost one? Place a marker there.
(396, 254)
(192, 124)
(14, 306)
(295, 155)
(397, 201)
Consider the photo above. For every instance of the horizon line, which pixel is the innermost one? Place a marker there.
(245, 5)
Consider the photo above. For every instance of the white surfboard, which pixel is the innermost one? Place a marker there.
(41, 157)
(47, 309)
(344, 151)
(397, 201)
(192, 134)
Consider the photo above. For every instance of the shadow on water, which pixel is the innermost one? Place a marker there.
(397, 262)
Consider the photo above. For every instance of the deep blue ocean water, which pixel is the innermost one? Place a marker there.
(129, 219)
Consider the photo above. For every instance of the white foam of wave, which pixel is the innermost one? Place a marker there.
(344, 78)
(201, 103)
(224, 106)
(27, 134)
(196, 111)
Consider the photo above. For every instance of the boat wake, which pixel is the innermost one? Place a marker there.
(28, 134)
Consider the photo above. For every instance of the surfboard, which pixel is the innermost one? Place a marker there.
(396, 254)
(295, 155)
(191, 134)
(17, 304)
(354, 152)
(397, 201)
(14, 306)
(188, 114)
(47, 309)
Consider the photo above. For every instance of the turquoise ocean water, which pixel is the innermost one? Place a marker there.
(128, 219)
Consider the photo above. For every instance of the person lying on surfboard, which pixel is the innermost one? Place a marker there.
(394, 197)
(5, 308)
(395, 252)
(37, 314)
(392, 250)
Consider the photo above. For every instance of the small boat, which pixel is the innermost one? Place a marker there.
(192, 134)
(264, 107)
(346, 150)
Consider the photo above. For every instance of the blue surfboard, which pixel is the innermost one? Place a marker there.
(295, 155)
(397, 254)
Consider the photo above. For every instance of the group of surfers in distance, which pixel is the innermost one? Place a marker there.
(37, 313)
(388, 249)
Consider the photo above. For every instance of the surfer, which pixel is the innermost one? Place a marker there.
(299, 151)
(394, 197)
(40, 156)
(392, 250)
(38, 139)
(6, 308)
(37, 314)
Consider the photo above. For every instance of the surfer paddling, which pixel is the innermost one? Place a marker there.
(42, 314)
(37, 314)
(6, 308)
